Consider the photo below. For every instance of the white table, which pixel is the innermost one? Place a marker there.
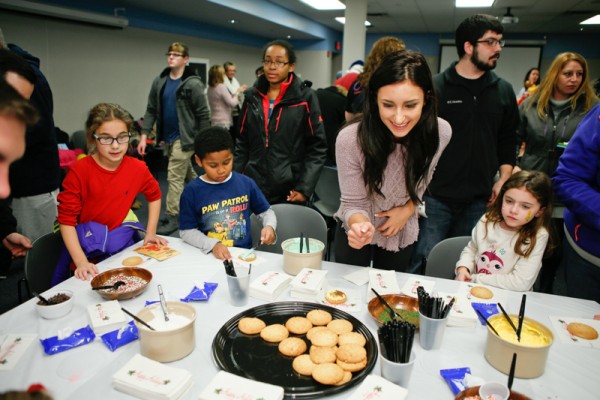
(85, 372)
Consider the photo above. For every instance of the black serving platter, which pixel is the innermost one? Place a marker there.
(251, 357)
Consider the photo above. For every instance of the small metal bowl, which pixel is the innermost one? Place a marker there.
(125, 291)
(406, 306)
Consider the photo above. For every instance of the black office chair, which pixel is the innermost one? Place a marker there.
(79, 140)
(292, 220)
(40, 262)
(444, 255)
(326, 200)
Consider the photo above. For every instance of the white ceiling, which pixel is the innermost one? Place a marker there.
(394, 16)
(387, 16)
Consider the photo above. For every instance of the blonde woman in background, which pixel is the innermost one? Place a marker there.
(549, 118)
(221, 102)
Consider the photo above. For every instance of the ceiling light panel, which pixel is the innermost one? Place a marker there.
(474, 3)
(325, 4)
(342, 20)
(591, 21)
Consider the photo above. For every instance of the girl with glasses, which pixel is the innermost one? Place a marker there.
(99, 190)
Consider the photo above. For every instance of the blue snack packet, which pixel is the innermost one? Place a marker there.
(203, 294)
(80, 337)
(487, 309)
(455, 378)
(120, 337)
(150, 302)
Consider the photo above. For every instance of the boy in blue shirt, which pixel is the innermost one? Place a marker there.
(215, 208)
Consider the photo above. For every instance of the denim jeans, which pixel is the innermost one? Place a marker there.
(583, 277)
(444, 220)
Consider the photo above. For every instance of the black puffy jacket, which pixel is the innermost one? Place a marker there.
(286, 151)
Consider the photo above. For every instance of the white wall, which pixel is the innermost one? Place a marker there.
(86, 65)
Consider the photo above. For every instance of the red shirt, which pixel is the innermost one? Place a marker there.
(92, 193)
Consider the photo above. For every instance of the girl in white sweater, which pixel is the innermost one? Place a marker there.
(509, 241)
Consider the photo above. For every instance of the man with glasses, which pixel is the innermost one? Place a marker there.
(282, 143)
(482, 110)
(178, 106)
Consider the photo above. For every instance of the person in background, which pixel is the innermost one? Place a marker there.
(385, 161)
(178, 106)
(509, 241)
(549, 118)
(349, 77)
(100, 189)
(577, 185)
(531, 82)
(381, 48)
(259, 71)
(482, 110)
(15, 114)
(206, 201)
(282, 144)
(221, 102)
(233, 86)
(332, 100)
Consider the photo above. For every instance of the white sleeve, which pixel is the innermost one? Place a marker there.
(198, 239)
(268, 218)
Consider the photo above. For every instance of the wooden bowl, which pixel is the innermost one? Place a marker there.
(474, 391)
(406, 306)
(126, 291)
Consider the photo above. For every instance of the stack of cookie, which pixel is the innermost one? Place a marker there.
(335, 351)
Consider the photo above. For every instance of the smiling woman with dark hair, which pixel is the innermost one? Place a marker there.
(385, 162)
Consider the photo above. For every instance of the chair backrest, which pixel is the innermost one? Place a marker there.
(292, 219)
(444, 255)
(328, 192)
(40, 261)
(79, 140)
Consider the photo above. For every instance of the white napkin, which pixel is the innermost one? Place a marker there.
(498, 295)
(383, 281)
(461, 314)
(148, 379)
(561, 323)
(359, 277)
(269, 285)
(308, 283)
(12, 348)
(376, 387)
(411, 285)
(106, 316)
(229, 386)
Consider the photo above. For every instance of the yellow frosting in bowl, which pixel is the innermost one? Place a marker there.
(530, 334)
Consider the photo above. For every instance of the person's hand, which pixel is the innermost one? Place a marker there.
(360, 234)
(241, 89)
(516, 169)
(463, 274)
(154, 238)
(267, 235)
(85, 268)
(141, 147)
(396, 219)
(17, 244)
(495, 191)
(296, 197)
(221, 252)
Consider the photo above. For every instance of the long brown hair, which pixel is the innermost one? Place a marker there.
(539, 185)
(544, 92)
(216, 75)
(380, 49)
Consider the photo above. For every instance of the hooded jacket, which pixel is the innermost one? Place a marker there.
(484, 117)
(286, 151)
(192, 108)
(577, 184)
(38, 171)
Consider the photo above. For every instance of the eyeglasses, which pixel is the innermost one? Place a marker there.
(173, 54)
(108, 140)
(493, 42)
(277, 64)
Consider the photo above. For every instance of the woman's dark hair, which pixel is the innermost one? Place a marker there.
(527, 76)
(376, 140)
(289, 49)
